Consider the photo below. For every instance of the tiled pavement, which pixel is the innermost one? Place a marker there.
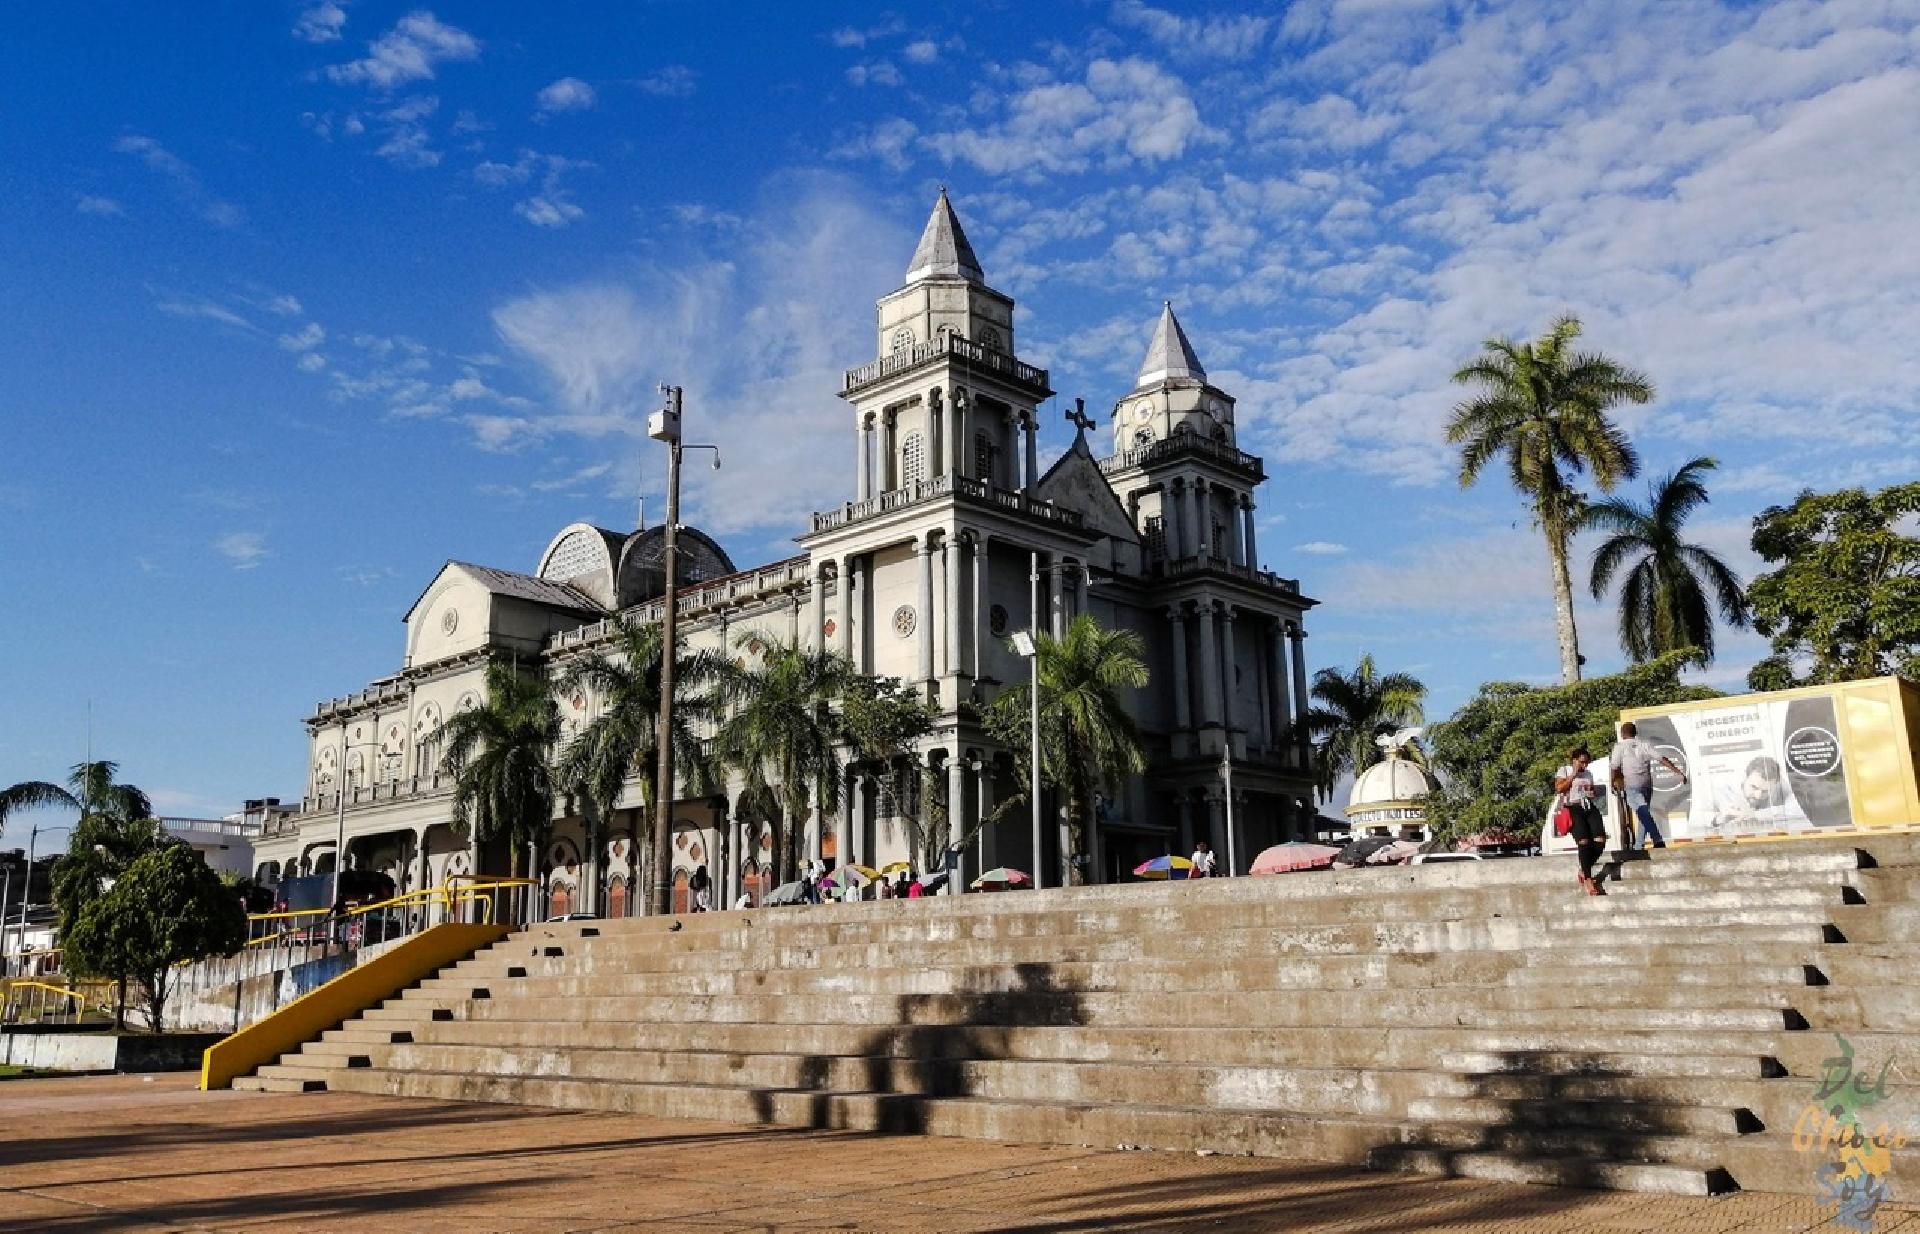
(129, 1153)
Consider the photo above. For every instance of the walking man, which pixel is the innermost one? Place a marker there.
(1202, 860)
(1633, 759)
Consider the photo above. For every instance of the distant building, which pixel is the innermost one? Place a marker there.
(1389, 798)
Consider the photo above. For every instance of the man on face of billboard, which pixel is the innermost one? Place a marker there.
(1632, 760)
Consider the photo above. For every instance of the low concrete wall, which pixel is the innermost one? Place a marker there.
(224, 996)
(105, 1051)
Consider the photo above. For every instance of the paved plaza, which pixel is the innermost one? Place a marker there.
(132, 1153)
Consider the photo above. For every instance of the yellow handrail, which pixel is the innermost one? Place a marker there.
(450, 895)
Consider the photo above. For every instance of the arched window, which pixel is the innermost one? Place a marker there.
(1142, 437)
(913, 459)
(990, 337)
(983, 458)
(902, 339)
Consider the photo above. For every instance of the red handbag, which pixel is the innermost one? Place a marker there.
(1563, 820)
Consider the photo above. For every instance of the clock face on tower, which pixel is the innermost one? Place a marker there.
(1143, 411)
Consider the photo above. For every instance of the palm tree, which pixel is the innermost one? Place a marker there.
(780, 733)
(1545, 407)
(1672, 587)
(1354, 709)
(90, 789)
(500, 754)
(1088, 738)
(622, 740)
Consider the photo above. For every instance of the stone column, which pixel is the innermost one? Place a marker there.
(1263, 697)
(1182, 703)
(982, 598)
(950, 606)
(425, 878)
(1227, 616)
(937, 452)
(857, 599)
(1282, 703)
(793, 621)
(1082, 596)
(1173, 528)
(956, 807)
(816, 639)
(849, 818)
(1209, 669)
(856, 806)
(1239, 532)
(1184, 804)
(1202, 525)
(845, 631)
(1217, 827)
(863, 477)
(1056, 602)
(961, 415)
(887, 477)
(1246, 514)
(1033, 454)
(923, 626)
(1300, 686)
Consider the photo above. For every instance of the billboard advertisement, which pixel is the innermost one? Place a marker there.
(1755, 766)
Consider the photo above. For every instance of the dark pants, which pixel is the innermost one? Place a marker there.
(1589, 834)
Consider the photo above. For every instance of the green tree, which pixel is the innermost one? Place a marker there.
(1672, 588)
(500, 754)
(622, 739)
(1544, 407)
(90, 789)
(1843, 599)
(1351, 710)
(1088, 739)
(884, 719)
(167, 908)
(781, 734)
(1499, 751)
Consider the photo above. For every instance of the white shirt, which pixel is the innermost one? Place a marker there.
(1203, 862)
(1580, 789)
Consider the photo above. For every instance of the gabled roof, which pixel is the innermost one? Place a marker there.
(1076, 482)
(518, 586)
(1169, 356)
(943, 252)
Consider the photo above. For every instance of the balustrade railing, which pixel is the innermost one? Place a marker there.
(963, 487)
(1181, 444)
(993, 360)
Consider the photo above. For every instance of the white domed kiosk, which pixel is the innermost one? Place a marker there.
(1389, 798)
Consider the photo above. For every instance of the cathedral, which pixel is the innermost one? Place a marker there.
(952, 539)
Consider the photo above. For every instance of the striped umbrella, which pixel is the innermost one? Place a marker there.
(1164, 867)
(999, 879)
(1294, 855)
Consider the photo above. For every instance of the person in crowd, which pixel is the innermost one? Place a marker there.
(1573, 792)
(1632, 759)
(902, 886)
(816, 870)
(700, 888)
(1202, 860)
(745, 900)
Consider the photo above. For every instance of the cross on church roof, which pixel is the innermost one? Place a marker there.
(1078, 416)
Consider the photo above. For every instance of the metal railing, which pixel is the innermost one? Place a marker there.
(979, 355)
(695, 599)
(385, 920)
(30, 1000)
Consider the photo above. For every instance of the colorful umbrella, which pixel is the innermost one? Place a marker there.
(897, 867)
(1395, 853)
(862, 871)
(999, 878)
(1164, 867)
(1294, 855)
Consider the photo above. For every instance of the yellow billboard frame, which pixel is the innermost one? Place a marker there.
(1879, 722)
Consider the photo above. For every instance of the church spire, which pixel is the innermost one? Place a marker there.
(1169, 355)
(943, 252)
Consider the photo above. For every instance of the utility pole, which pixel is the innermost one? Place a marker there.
(1033, 699)
(1226, 775)
(665, 426)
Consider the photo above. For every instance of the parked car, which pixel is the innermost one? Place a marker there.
(310, 892)
(1427, 859)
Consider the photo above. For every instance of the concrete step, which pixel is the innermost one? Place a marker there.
(1318, 1138)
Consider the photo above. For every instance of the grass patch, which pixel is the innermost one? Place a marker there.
(9, 1072)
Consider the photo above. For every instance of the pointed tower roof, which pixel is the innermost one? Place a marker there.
(1169, 356)
(943, 252)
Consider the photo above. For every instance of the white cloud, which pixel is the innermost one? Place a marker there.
(206, 310)
(1320, 548)
(921, 51)
(1217, 38)
(185, 182)
(409, 52)
(407, 143)
(878, 73)
(283, 305)
(321, 23)
(890, 141)
(573, 481)
(757, 333)
(854, 36)
(245, 549)
(1123, 112)
(307, 338)
(99, 207)
(566, 94)
(676, 81)
(549, 211)
(312, 362)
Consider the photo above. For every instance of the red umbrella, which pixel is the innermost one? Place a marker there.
(1294, 855)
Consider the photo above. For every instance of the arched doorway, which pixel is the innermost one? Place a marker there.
(617, 896)
(681, 902)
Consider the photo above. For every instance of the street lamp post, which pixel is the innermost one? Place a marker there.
(664, 426)
(1026, 644)
(1226, 775)
(26, 892)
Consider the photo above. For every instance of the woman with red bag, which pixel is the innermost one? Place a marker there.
(1579, 814)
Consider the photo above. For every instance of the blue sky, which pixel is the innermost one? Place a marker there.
(301, 300)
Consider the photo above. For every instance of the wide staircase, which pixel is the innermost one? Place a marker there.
(1485, 1019)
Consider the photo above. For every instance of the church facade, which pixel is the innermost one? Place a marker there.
(952, 540)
